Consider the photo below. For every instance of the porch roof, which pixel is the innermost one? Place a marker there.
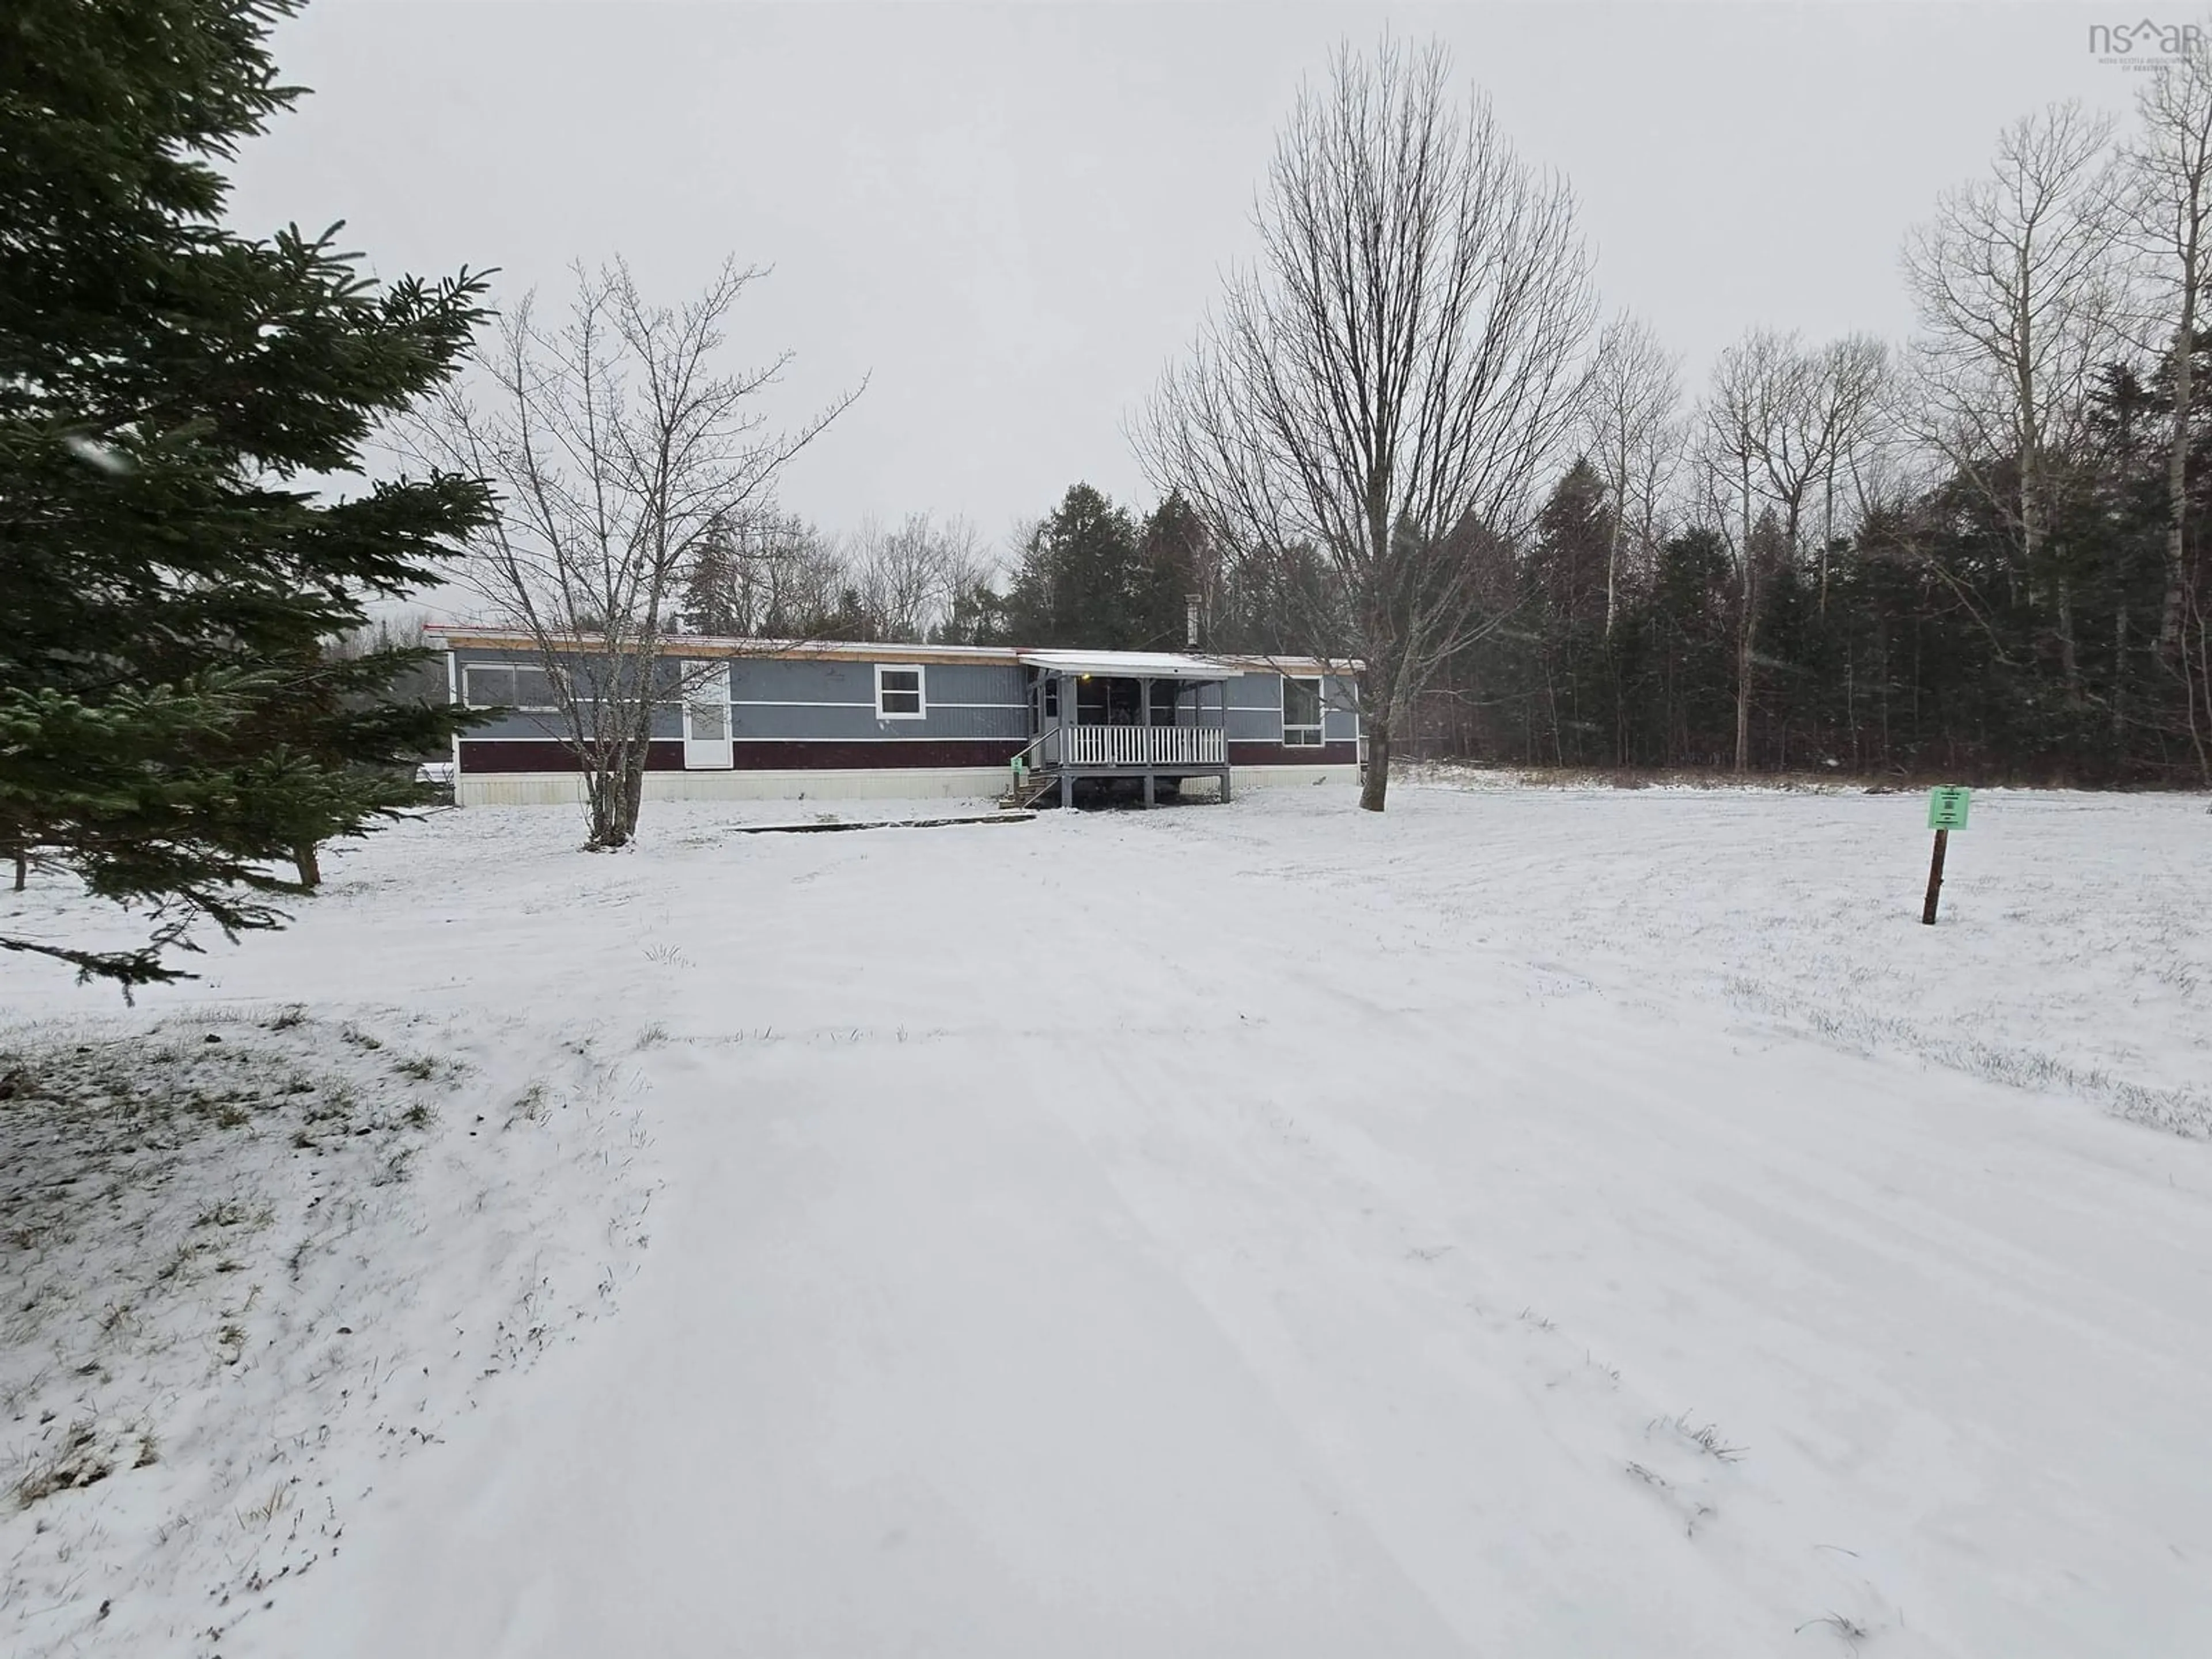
(1129, 664)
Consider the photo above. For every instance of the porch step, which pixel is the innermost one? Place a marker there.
(1033, 790)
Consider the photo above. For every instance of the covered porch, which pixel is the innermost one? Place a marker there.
(1145, 716)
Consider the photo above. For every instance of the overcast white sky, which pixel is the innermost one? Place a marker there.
(1011, 215)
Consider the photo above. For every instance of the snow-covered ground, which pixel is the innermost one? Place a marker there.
(1532, 1222)
(250, 1256)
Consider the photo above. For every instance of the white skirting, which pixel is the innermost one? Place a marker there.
(868, 783)
(1251, 777)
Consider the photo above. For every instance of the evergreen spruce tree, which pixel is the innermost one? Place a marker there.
(1077, 576)
(171, 722)
(1174, 560)
(710, 590)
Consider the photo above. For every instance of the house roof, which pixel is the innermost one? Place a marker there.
(1130, 664)
(1155, 665)
(466, 636)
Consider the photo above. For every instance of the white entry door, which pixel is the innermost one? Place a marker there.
(707, 718)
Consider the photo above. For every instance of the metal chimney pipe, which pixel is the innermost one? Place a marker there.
(1190, 621)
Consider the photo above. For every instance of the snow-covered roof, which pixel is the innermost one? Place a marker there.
(1136, 665)
(718, 645)
(1129, 664)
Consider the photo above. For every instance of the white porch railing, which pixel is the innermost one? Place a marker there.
(1143, 746)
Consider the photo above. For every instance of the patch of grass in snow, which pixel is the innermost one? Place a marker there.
(210, 1229)
(1466, 774)
(1705, 1437)
(145, 1174)
(531, 1106)
(2179, 1111)
(76, 1461)
(126, 1138)
(260, 1515)
(1690, 1510)
(1851, 1630)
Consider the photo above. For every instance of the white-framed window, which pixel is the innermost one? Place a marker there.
(901, 694)
(1301, 712)
(520, 686)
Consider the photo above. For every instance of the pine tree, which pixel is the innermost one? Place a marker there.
(1077, 582)
(170, 721)
(1175, 561)
(710, 591)
(1564, 612)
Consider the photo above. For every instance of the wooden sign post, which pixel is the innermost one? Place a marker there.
(1946, 811)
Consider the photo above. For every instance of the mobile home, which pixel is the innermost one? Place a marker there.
(759, 719)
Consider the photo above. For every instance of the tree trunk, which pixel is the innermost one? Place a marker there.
(605, 790)
(1743, 701)
(2069, 655)
(1612, 563)
(311, 865)
(2196, 679)
(596, 811)
(614, 794)
(23, 868)
(1827, 533)
(2177, 465)
(1852, 705)
(1746, 639)
(2119, 679)
(1748, 626)
(1375, 786)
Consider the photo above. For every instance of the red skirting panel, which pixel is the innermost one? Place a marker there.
(548, 755)
(487, 755)
(483, 754)
(1274, 754)
(830, 753)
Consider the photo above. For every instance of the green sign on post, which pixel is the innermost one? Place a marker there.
(1947, 808)
(1946, 811)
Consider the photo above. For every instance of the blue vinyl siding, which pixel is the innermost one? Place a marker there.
(1255, 708)
(773, 699)
(797, 699)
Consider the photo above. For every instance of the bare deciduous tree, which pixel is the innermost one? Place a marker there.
(1781, 380)
(1386, 384)
(2020, 299)
(1756, 383)
(1634, 439)
(619, 451)
(767, 573)
(1849, 399)
(1779, 421)
(2169, 200)
(908, 577)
